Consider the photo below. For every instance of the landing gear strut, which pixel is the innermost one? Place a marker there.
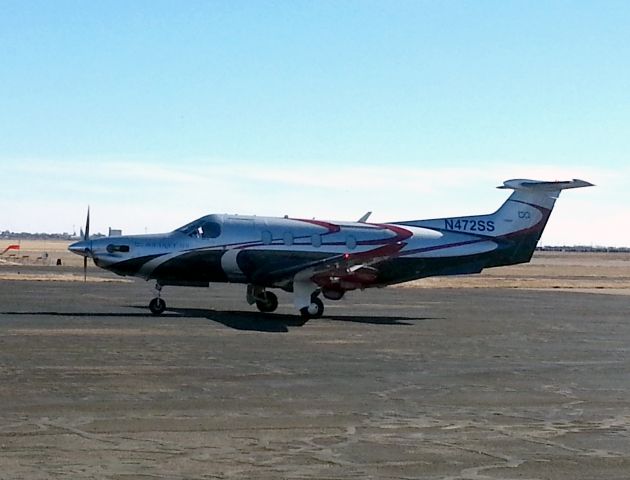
(305, 296)
(265, 301)
(157, 305)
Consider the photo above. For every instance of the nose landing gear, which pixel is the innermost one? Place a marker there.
(157, 305)
(265, 301)
(268, 303)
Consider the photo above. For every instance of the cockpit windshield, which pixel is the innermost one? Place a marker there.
(204, 227)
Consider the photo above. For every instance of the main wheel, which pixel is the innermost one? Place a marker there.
(314, 310)
(269, 303)
(157, 306)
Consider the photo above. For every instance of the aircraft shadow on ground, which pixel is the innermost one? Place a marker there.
(279, 322)
(238, 320)
(85, 314)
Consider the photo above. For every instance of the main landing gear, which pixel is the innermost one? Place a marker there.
(267, 301)
(306, 296)
(314, 310)
(157, 305)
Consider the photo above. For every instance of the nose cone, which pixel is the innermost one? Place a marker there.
(81, 248)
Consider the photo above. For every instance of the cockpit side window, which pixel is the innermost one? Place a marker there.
(202, 228)
(210, 230)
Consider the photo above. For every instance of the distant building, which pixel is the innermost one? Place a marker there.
(114, 232)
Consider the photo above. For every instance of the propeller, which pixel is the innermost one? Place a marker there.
(84, 246)
(86, 237)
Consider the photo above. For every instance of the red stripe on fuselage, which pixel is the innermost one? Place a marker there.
(331, 227)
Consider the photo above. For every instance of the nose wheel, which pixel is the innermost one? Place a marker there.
(157, 305)
(267, 303)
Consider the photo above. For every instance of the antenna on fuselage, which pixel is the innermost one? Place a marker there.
(364, 218)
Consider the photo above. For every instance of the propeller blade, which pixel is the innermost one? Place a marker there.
(86, 235)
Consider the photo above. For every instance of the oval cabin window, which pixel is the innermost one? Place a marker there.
(316, 240)
(351, 242)
(266, 237)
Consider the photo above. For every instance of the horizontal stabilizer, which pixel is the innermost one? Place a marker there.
(522, 184)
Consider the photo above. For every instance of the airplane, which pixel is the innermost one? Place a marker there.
(329, 258)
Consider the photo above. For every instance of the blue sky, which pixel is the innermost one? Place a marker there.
(158, 112)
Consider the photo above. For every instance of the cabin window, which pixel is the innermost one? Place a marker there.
(267, 238)
(351, 242)
(316, 240)
(288, 238)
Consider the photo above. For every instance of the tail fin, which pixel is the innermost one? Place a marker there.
(522, 218)
(517, 225)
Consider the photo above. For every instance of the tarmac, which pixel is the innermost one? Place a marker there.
(396, 383)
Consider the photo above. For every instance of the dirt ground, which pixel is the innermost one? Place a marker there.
(400, 383)
(39, 252)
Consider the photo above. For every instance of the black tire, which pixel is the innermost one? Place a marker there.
(304, 311)
(157, 306)
(269, 304)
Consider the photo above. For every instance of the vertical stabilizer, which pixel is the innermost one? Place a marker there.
(529, 206)
(516, 226)
(522, 218)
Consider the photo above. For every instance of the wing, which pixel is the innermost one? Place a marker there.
(354, 269)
